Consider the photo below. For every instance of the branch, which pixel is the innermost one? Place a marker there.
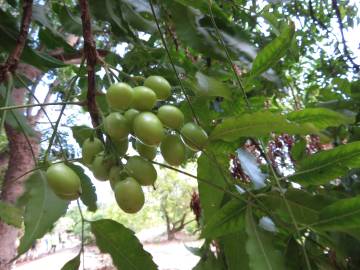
(92, 56)
(341, 26)
(314, 18)
(75, 58)
(14, 58)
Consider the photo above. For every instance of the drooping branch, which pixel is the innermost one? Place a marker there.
(335, 6)
(14, 57)
(91, 55)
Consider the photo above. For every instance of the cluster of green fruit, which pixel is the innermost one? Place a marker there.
(133, 113)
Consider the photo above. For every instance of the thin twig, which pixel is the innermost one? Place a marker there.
(172, 63)
(41, 109)
(82, 232)
(335, 6)
(41, 105)
(14, 58)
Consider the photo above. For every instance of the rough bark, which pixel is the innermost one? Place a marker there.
(20, 161)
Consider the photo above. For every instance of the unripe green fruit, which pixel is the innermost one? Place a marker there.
(144, 98)
(143, 171)
(90, 148)
(173, 150)
(129, 195)
(148, 128)
(159, 85)
(194, 136)
(63, 180)
(146, 151)
(119, 96)
(68, 197)
(121, 146)
(171, 116)
(114, 175)
(101, 166)
(130, 115)
(116, 126)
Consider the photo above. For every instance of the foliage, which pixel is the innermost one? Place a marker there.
(274, 84)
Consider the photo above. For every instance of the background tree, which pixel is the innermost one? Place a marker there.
(275, 84)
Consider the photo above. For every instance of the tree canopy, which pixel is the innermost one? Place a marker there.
(264, 98)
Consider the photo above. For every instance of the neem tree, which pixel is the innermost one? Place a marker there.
(263, 96)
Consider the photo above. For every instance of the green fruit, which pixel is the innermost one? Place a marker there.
(68, 197)
(148, 128)
(63, 180)
(121, 146)
(146, 151)
(116, 126)
(114, 175)
(194, 136)
(101, 166)
(159, 85)
(130, 116)
(90, 148)
(143, 171)
(119, 96)
(144, 98)
(129, 195)
(171, 116)
(173, 150)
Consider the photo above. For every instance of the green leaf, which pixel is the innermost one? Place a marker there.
(320, 117)
(325, 166)
(235, 252)
(304, 206)
(88, 195)
(210, 87)
(210, 197)
(341, 215)
(121, 243)
(71, 23)
(272, 52)
(81, 133)
(256, 125)
(42, 210)
(10, 214)
(298, 151)
(260, 248)
(73, 264)
(227, 220)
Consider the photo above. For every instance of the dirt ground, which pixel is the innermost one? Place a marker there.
(171, 255)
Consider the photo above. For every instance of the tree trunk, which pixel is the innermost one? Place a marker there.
(20, 161)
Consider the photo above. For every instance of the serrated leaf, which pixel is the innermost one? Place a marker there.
(320, 117)
(341, 215)
(73, 264)
(42, 210)
(227, 220)
(81, 133)
(272, 52)
(210, 197)
(210, 87)
(121, 243)
(88, 195)
(250, 166)
(256, 125)
(325, 166)
(260, 248)
(10, 214)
